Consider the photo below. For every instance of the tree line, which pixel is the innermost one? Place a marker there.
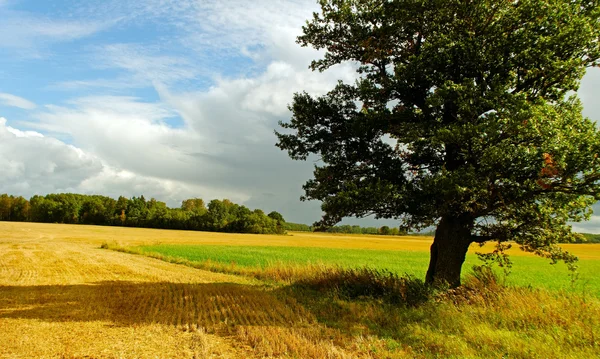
(193, 214)
(400, 231)
(347, 229)
(589, 238)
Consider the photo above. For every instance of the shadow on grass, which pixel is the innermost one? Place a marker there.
(290, 319)
(131, 303)
(296, 317)
(360, 315)
(215, 305)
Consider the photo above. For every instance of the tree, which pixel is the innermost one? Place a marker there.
(385, 230)
(120, 209)
(276, 216)
(92, 211)
(157, 214)
(463, 117)
(217, 215)
(5, 207)
(20, 209)
(137, 211)
(195, 205)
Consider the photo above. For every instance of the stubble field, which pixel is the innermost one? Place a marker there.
(61, 296)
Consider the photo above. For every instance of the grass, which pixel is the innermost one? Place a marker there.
(481, 320)
(526, 271)
(61, 296)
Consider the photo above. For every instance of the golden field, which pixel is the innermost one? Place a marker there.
(61, 296)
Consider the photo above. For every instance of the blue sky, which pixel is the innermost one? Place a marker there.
(168, 98)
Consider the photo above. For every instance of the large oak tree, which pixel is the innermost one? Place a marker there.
(464, 117)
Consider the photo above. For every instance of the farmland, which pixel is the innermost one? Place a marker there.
(61, 296)
(527, 269)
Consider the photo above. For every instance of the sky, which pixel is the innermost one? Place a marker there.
(172, 99)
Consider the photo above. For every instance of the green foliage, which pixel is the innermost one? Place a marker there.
(221, 216)
(277, 216)
(297, 227)
(13, 208)
(385, 230)
(589, 238)
(463, 117)
(195, 205)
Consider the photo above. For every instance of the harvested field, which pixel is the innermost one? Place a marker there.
(61, 296)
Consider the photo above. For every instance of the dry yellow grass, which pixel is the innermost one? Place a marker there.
(63, 297)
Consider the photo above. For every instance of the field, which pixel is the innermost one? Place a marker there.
(61, 296)
(527, 270)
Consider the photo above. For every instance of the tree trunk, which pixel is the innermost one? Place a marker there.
(448, 251)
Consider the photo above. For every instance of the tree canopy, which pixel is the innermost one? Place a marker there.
(464, 116)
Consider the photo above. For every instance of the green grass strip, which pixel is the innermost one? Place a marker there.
(526, 271)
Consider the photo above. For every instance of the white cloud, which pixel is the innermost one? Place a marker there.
(36, 164)
(19, 133)
(145, 63)
(122, 130)
(224, 150)
(139, 66)
(7, 99)
(113, 182)
(30, 35)
(214, 23)
(226, 146)
(133, 137)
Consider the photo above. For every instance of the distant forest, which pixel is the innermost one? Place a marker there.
(348, 229)
(587, 237)
(194, 214)
(591, 238)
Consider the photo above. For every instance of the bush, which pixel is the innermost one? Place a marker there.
(371, 283)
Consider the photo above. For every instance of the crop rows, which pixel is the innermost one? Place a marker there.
(53, 291)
